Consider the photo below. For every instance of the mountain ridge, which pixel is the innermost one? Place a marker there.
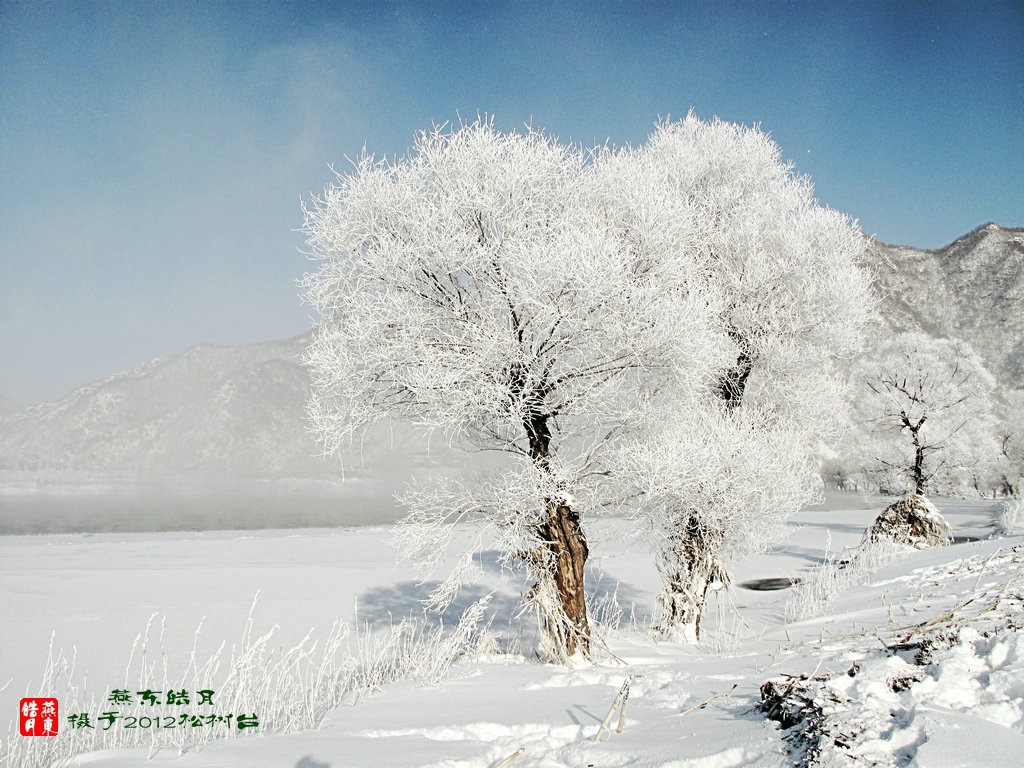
(971, 289)
(240, 410)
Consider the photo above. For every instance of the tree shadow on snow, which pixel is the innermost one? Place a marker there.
(386, 606)
(815, 556)
(585, 711)
(604, 590)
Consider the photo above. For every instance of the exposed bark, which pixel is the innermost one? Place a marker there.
(561, 561)
(567, 549)
(734, 383)
(918, 466)
(919, 451)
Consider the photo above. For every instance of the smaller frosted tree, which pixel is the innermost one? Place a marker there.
(924, 408)
(1011, 444)
(715, 486)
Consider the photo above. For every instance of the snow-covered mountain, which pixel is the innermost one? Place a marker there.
(973, 289)
(209, 409)
(240, 410)
(223, 411)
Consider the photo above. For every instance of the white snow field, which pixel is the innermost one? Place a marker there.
(916, 662)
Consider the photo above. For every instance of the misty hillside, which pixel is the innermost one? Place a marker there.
(208, 409)
(973, 289)
(240, 410)
(8, 407)
(212, 410)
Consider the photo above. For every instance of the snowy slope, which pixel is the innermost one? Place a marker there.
(209, 409)
(973, 289)
(918, 665)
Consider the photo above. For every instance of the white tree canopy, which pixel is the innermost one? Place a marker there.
(924, 408)
(478, 282)
(527, 296)
(717, 473)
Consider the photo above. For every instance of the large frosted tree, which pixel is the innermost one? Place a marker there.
(518, 294)
(482, 287)
(717, 476)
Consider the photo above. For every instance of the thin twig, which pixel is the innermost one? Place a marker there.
(623, 691)
(510, 758)
(622, 712)
(709, 700)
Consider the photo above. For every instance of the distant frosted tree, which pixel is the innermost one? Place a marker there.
(1011, 443)
(925, 411)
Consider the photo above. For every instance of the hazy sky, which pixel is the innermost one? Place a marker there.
(153, 156)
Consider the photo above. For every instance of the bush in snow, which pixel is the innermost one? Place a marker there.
(839, 573)
(1011, 516)
(913, 521)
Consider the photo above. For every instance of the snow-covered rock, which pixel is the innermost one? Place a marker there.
(912, 520)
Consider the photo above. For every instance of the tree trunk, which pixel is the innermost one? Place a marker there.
(559, 593)
(918, 467)
(919, 450)
(567, 549)
(689, 566)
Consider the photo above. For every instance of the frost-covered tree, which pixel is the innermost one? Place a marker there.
(486, 287)
(718, 474)
(924, 407)
(1011, 443)
(715, 486)
(522, 295)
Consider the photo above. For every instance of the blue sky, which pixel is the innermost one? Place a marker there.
(153, 155)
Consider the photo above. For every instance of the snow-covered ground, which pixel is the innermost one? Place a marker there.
(917, 663)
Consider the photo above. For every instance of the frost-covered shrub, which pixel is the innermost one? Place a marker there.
(839, 573)
(1011, 516)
